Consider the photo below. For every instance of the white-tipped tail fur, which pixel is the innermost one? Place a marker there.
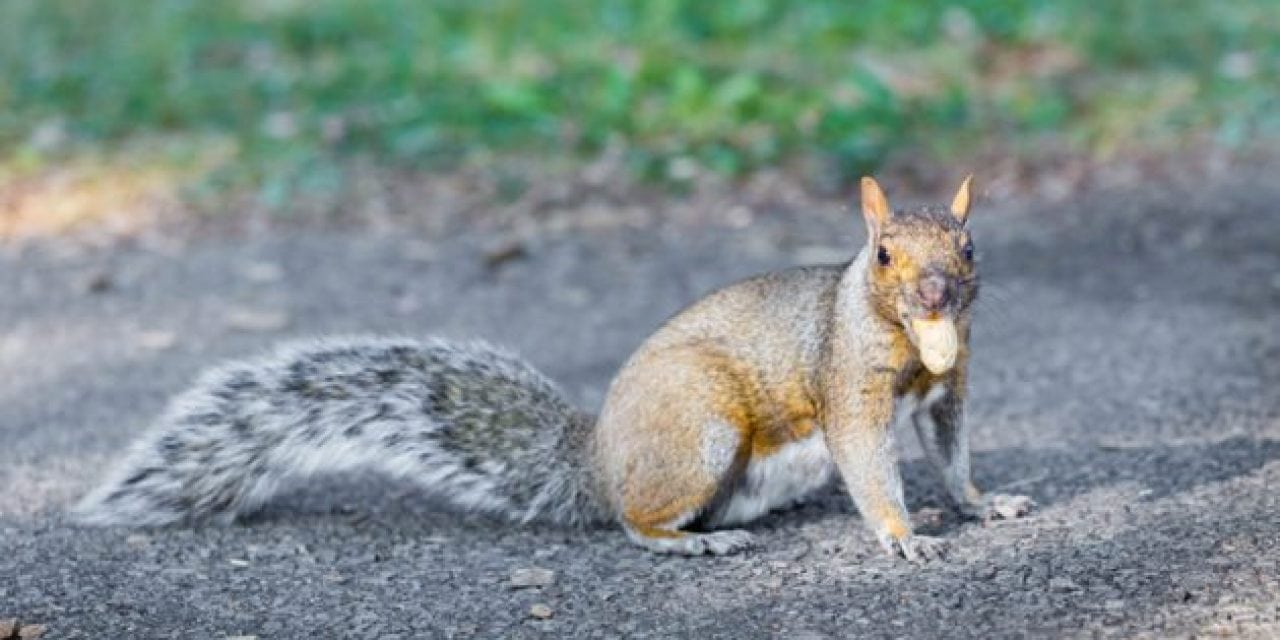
(469, 423)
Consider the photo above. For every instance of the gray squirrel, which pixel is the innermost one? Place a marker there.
(746, 401)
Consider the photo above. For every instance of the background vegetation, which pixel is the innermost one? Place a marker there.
(278, 95)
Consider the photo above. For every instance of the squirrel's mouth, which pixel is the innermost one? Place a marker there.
(937, 340)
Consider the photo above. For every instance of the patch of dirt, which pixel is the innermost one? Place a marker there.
(522, 197)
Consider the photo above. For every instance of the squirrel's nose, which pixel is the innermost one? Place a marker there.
(933, 292)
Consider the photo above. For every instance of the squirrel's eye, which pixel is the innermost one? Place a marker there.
(968, 252)
(882, 256)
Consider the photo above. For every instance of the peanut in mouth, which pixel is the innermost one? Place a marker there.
(938, 344)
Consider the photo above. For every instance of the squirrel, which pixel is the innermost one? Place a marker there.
(746, 401)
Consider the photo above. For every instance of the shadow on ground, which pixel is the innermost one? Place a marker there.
(1050, 476)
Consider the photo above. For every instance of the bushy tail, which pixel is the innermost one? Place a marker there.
(471, 424)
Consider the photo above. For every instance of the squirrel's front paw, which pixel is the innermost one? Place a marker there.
(914, 548)
(1001, 506)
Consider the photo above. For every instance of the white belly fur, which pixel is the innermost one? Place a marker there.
(791, 473)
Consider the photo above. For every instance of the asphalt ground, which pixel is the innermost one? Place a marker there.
(1126, 374)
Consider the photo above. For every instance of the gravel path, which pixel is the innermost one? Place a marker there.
(1126, 375)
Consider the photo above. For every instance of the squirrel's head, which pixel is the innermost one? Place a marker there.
(921, 270)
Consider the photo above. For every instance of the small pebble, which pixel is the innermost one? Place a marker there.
(504, 252)
(157, 340)
(100, 282)
(541, 611)
(262, 272)
(532, 577)
(256, 320)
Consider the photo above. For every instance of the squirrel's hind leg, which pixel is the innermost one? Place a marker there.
(671, 459)
(686, 483)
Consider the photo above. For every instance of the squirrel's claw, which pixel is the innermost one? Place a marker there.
(1000, 506)
(915, 548)
(722, 543)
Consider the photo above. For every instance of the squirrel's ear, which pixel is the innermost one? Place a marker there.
(960, 205)
(875, 207)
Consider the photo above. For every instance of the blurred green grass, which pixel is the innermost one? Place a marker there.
(297, 88)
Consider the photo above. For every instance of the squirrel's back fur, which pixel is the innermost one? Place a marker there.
(471, 424)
